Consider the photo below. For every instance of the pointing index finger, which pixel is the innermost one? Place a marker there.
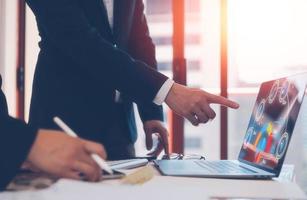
(222, 101)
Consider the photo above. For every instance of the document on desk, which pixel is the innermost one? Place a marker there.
(77, 190)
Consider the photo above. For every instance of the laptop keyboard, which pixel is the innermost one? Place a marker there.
(223, 167)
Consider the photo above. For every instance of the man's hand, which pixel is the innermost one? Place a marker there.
(194, 104)
(156, 127)
(58, 154)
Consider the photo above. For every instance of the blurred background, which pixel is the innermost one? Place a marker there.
(243, 41)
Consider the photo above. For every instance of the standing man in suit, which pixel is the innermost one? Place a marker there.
(97, 58)
(52, 152)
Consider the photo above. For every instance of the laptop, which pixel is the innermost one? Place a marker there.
(266, 141)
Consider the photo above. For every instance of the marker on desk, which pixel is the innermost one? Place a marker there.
(101, 163)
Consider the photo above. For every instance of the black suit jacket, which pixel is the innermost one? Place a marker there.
(16, 138)
(82, 62)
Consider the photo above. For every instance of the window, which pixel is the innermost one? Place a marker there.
(202, 51)
(267, 40)
(159, 18)
(159, 7)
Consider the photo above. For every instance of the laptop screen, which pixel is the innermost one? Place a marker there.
(272, 122)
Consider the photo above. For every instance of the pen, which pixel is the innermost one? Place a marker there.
(101, 163)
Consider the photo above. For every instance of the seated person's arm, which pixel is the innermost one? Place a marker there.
(16, 139)
(52, 152)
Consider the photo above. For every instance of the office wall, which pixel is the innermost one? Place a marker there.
(2, 37)
(8, 50)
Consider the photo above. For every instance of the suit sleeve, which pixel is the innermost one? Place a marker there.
(68, 29)
(16, 139)
(141, 47)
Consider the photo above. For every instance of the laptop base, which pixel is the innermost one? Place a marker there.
(190, 168)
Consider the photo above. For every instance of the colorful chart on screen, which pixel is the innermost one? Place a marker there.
(272, 123)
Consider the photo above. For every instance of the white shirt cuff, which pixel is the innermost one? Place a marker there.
(163, 92)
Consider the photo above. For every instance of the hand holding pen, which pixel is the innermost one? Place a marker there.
(101, 163)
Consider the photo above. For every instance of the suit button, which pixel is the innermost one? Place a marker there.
(115, 45)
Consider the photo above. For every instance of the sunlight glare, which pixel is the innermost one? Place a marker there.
(267, 38)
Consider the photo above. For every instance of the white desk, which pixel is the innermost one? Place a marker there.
(162, 187)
